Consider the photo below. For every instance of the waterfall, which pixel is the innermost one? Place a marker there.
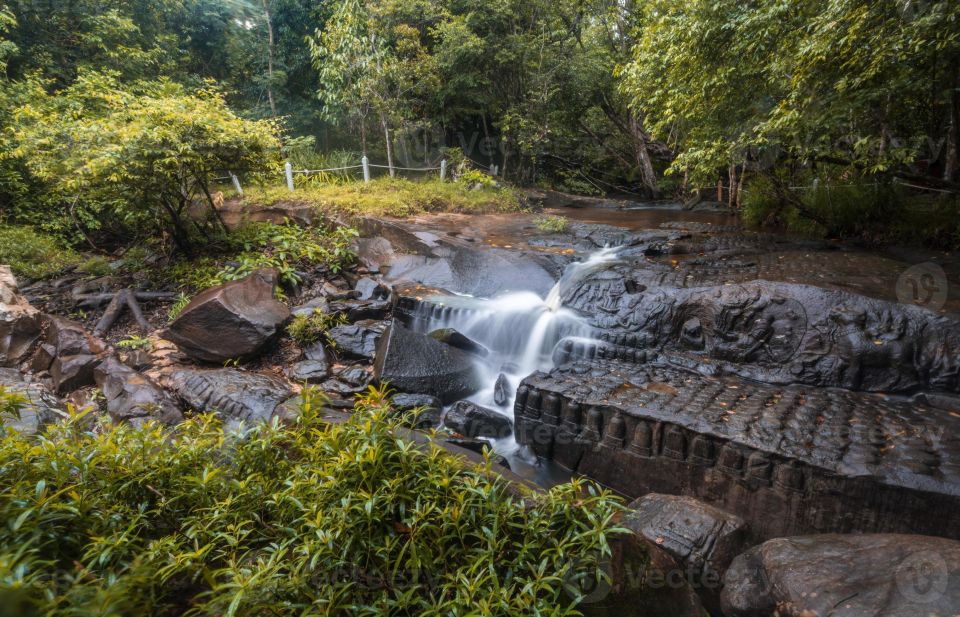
(520, 329)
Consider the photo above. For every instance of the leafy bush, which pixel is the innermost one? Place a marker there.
(476, 178)
(306, 519)
(11, 403)
(313, 328)
(136, 343)
(549, 223)
(32, 254)
(95, 266)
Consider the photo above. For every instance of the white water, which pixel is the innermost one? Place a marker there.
(521, 330)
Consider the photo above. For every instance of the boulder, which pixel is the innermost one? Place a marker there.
(460, 341)
(501, 390)
(356, 376)
(41, 406)
(236, 394)
(358, 340)
(316, 351)
(473, 420)
(132, 397)
(370, 289)
(412, 362)
(234, 320)
(75, 354)
(374, 253)
(309, 371)
(701, 538)
(869, 575)
(20, 323)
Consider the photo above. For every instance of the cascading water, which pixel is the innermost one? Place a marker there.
(521, 330)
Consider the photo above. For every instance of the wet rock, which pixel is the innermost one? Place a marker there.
(369, 289)
(874, 575)
(358, 340)
(430, 405)
(701, 538)
(310, 307)
(236, 394)
(76, 354)
(40, 409)
(789, 460)
(412, 362)
(316, 351)
(235, 320)
(20, 323)
(361, 310)
(477, 446)
(356, 376)
(460, 341)
(43, 358)
(133, 397)
(501, 390)
(472, 420)
(335, 386)
(138, 359)
(374, 253)
(309, 371)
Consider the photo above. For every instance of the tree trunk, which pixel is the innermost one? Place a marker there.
(643, 157)
(273, 104)
(743, 173)
(952, 158)
(732, 193)
(386, 136)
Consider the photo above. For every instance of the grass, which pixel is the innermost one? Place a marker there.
(304, 519)
(309, 329)
(34, 255)
(396, 197)
(549, 223)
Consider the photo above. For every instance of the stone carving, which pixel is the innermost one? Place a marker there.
(236, 394)
(789, 460)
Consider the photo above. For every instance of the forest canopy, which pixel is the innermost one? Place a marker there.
(759, 103)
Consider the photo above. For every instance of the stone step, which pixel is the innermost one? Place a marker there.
(788, 459)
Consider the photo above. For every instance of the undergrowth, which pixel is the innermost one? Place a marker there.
(314, 328)
(32, 254)
(311, 519)
(392, 197)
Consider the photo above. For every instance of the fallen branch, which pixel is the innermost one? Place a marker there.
(95, 300)
(124, 298)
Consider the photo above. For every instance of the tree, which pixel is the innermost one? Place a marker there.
(136, 157)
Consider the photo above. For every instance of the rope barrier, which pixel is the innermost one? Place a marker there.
(317, 171)
(405, 168)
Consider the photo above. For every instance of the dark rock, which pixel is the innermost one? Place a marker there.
(309, 371)
(359, 310)
(239, 395)
(358, 340)
(701, 538)
(430, 408)
(317, 351)
(230, 321)
(40, 409)
(132, 396)
(20, 323)
(341, 388)
(356, 376)
(789, 460)
(72, 372)
(138, 359)
(460, 341)
(479, 447)
(473, 420)
(501, 390)
(412, 362)
(309, 308)
(43, 358)
(873, 575)
(369, 289)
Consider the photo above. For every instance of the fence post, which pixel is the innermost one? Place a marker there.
(288, 168)
(443, 170)
(493, 170)
(366, 168)
(236, 184)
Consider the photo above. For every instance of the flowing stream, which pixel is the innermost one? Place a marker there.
(521, 330)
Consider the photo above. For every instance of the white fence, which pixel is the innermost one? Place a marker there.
(365, 164)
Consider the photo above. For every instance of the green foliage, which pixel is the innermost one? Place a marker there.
(553, 224)
(863, 83)
(11, 403)
(306, 519)
(474, 178)
(309, 329)
(133, 157)
(177, 307)
(32, 254)
(136, 343)
(394, 197)
(95, 266)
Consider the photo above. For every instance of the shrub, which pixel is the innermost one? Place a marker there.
(309, 329)
(95, 266)
(306, 519)
(476, 178)
(32, 254)
(549, 223)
